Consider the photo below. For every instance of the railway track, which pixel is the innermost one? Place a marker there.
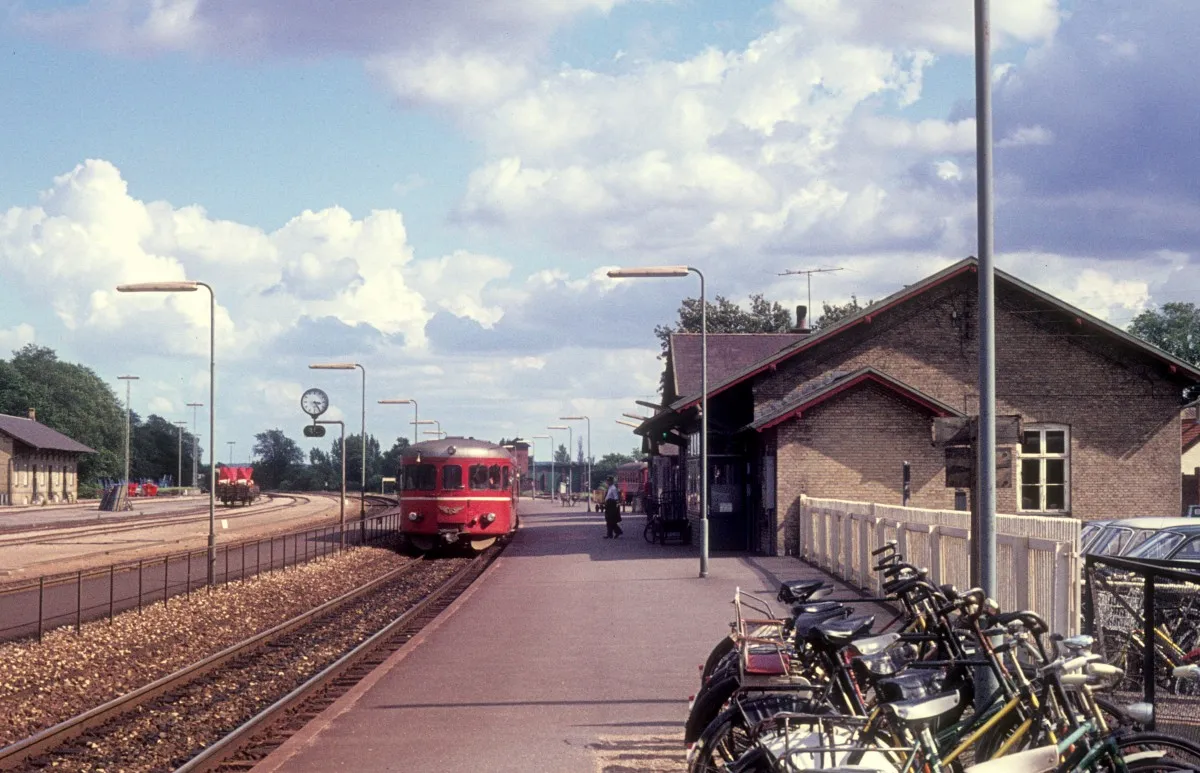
(70, 530)
(232, 708)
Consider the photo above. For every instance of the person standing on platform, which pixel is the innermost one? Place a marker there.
(612, 511)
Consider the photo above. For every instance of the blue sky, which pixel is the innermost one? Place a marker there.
(436, 191)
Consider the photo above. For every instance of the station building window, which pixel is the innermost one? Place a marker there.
(1045, 469)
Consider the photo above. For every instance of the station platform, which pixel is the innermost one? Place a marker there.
(570, 653)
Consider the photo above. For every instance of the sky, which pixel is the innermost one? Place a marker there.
(436, 190)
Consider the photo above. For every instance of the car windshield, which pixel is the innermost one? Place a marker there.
(1139, 538)
(1110, 542)
(1159, 546)
(1089, 533)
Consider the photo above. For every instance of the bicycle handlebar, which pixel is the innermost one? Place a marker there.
(889, 545)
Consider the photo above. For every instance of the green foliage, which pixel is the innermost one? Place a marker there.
(725, 316)
(562, 455)
(834, 313)
(71, 399)
(607, 465)
(1173, 327)
(276, 458)
(154, 449)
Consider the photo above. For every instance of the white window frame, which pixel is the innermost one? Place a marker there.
(1042, 429)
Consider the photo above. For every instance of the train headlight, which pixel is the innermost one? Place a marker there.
(414, 517)
(489, 517)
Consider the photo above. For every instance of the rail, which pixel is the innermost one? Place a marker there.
(64, 731)
(339, 676)
(30, 608)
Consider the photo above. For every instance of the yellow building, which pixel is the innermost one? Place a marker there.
(38, 465)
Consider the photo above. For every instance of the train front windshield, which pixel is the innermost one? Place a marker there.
(418, 477)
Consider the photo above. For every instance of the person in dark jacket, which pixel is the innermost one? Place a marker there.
(612, 510)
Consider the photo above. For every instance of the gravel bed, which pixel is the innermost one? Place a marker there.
(166, 732)
(68, 673)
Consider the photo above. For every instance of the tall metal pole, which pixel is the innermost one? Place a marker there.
(128, 421)
(212, 434)
(362, 507)
(985, 528)
(703, 427)
(195, 441)
(342, 506)
(180, 425)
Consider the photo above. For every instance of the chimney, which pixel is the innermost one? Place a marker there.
(801, 321)
(33, 414)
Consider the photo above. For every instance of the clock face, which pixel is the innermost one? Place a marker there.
(314, 402)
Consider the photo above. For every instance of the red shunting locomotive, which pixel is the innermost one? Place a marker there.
(457, 490)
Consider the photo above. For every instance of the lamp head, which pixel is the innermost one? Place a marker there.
(333, 366)
(395, 402)
(628, 423)
(571, 418)
(159, 287)
(648, 271)
(558, 426)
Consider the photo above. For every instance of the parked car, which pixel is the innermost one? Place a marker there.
(1178, 543)
(1121, 537)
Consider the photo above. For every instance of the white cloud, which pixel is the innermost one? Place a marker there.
(16, 337)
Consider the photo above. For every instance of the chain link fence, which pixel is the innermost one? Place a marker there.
(1145, 618)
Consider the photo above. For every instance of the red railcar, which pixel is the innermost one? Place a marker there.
(235, 485)
(457, 490)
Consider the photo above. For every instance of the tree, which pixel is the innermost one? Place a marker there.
(1174, 328)
(725, 316)
(71, 399)
(607, 465)
(154, 451)
(831, 314)
(277, 455)
(562, 455)
(389, 464)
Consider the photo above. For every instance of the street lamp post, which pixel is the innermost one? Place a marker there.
(362, 510)
(427, 422)
(195, 440)
(231, 444)
(342, 499)
(550, 488)
(128, 411)
(680, 271)
(181, 425)
(191, 287)
(589, 444)
(405, 401)
(570, 460)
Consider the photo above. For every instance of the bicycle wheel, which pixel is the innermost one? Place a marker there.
(648, 533)
(728, 736)
(1178, 750)
(709, 703)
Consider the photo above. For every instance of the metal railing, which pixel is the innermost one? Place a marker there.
(1037, 556)
(30, 608)
(1145, 617)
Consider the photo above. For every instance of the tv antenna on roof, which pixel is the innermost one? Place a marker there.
(808, 272)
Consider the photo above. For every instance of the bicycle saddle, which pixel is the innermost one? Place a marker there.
(874, 644)
(798, 591)
(869, 668)
(805, 623)
(910, 686)
(920, 711)
(815, 608)
(835, 634)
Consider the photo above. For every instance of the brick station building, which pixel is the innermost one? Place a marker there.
(37, 464)
(836, 413)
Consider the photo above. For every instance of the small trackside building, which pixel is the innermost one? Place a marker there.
(37, 464)
(838, 412)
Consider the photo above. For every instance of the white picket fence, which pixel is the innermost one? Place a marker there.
(1038, 564)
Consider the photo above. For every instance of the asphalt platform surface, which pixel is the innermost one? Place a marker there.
(571, 653)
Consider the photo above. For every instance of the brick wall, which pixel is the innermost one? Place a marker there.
(1122, 409)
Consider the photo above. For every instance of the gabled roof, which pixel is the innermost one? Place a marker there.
(1191, 433)
(817, 391)
(967, 265)
(728, 354)
(39, 436)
